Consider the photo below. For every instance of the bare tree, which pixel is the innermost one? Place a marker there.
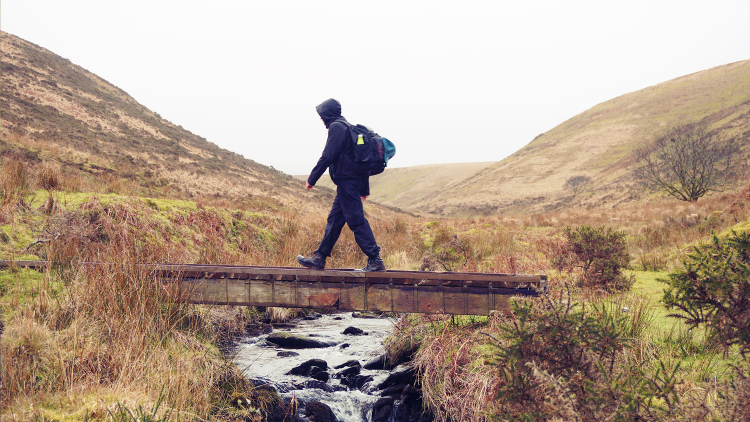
(688, 161)
(576, 183)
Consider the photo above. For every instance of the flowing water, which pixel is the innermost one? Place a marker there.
(259, 360)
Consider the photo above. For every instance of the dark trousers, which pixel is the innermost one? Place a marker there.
(347, 209)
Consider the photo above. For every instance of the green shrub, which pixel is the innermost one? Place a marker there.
(444, 251)
(600, 254)
(561, 359)
(713, 290)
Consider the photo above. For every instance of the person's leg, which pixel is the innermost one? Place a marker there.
(333, 228)
(332, 231)
(350, 203)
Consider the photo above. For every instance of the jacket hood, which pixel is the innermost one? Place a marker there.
(329, 110)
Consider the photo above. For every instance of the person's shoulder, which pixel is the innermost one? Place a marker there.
(339, 124)
(338, 128)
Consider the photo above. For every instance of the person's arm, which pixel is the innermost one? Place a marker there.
(337, 134)
(365, 191)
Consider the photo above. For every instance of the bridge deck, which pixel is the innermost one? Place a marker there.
(342, 289)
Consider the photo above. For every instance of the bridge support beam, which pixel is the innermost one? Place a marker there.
(340, 289)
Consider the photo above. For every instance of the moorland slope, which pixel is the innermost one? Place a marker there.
(599, 143)
(405, 187)
(53, 110)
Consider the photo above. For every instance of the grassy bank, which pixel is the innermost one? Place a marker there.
(78, 342)
(652, 366)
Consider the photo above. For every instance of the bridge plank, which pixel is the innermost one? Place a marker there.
(429, 300)
(477, 301)
(454, 299)
(318, 295)
(215, 289)
(353, 297)
(261, 293)
(404, 298)
(285, 294)
(238, 291)
(284, 277)
(379, 298)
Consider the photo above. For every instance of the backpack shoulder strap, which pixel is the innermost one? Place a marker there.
(345, 123)
(342, 120)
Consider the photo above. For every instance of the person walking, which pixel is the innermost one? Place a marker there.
(352, 188)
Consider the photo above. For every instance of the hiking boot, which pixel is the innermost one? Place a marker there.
(374, 264)
(317, 261)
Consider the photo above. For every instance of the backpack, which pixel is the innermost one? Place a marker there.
(371, 151)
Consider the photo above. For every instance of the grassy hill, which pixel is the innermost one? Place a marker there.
(599, 143)
(55, 111)
(406, 187)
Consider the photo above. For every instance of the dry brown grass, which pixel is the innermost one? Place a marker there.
(658, 231)
(113, 331)
(15, 182)
(456, 385)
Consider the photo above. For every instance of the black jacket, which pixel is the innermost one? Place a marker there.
(338, 154)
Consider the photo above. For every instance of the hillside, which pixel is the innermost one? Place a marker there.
(405, 187)
(599, 143)
(55, 111)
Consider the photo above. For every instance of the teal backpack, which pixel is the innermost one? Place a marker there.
(371, 151)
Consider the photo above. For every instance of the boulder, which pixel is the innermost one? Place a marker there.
(378, 362)
(354, 331)
(312, 316)
(306, 368)
(321, 376)
(282, 411)
(382, 409)
(319, 412)
(394, 391)
(286, 354)
(256, 329)
(359, 381)
(320, 385)
(348, 363)
(411, 411)
(294, 341)
(406, 375)
(364, 315)
(349, 370)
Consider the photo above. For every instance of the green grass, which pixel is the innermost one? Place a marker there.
(18, 235)
(647, 285)
(23, 286)
(698, 358)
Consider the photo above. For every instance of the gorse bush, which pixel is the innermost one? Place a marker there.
(599, 253)
(559, 359)
(713, 289)
(446, 252)
(573, 344)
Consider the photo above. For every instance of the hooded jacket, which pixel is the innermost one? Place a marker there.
(338, 154)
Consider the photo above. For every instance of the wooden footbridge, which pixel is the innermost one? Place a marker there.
(340, 289)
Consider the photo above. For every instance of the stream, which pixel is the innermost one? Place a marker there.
(354, 394)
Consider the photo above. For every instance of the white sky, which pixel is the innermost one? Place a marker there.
(447, 82)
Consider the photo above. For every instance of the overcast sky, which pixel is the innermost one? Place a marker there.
(447, 82)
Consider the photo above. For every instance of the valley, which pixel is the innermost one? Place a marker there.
(89, 174)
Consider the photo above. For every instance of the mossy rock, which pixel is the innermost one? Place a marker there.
(295, 341)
